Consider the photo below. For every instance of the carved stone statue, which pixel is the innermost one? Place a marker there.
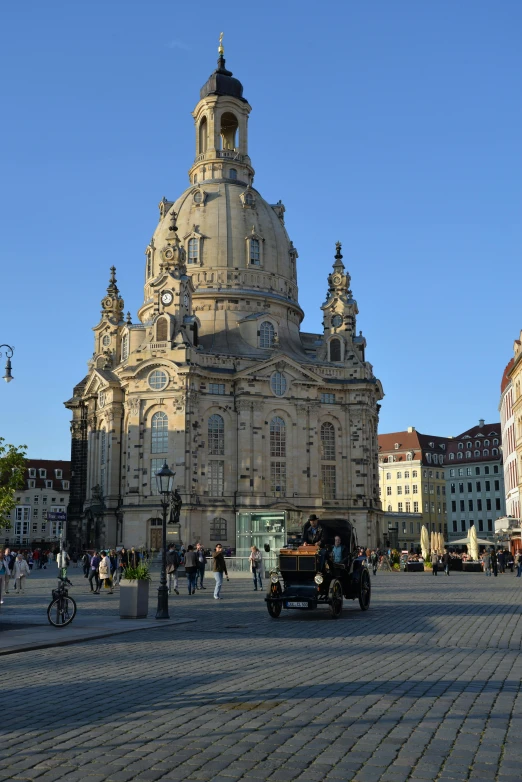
(175, 507)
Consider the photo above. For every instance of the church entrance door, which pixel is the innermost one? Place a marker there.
(155, 538)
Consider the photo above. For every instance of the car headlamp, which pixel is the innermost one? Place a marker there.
(318, 578)
(274, 578)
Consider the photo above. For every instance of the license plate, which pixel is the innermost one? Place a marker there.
(293, 604)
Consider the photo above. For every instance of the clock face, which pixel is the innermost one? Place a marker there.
(336, 321)
(336, 279)
(186, 300)
(167, 297)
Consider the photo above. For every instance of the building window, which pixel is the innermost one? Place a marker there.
(162, 330)
(408, 506)
(103, 446)
(31, 484)
(494, 451)
(125, 347)
(278, 383)
(388, 491)
(335, 349)
(35, 513)
(35, 499)
(216, 435)
(159, 433)
(399, 507)
(414, 474)
(490, 525)
(399, 489)
(399, 475)
(58, 473)
(327, 399)
(216, 470)
(255, 252)
(216, 388)
(65, 485)
(477, 453)
(232, 174)
(406, 489)
(388, 476)
(278, 477)
(218, 529)
(328, 481)
(485, 452)
(415, 489)
(266, 335)
(451, 457)
(32, 472)
(193, 251)
(158, 380)
(328, 442)
(389, 508)
(463, 525)
(415, 507)
(155, 467)
(277, 437)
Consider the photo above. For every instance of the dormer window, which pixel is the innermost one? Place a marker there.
(58, 473)
(48, 484)
(193, 250)
(65, 485)
(42, 473)
(249, 199)
(461, 446)
(255, 252)
(396, 446)
(32, 472)
(266, 335)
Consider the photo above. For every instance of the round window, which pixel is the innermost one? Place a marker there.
(198, 197)
(158, 380)
(336, 321)
(106, 340)
(278, 383)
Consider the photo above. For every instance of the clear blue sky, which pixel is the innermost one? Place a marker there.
(393, 126)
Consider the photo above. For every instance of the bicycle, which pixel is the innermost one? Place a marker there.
(62, 608)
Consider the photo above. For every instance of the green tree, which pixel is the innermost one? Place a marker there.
(12, 469)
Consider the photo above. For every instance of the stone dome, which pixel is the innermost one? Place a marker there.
(225, 218)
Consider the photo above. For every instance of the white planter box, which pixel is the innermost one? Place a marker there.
(134, 599)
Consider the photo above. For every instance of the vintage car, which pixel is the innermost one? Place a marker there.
(307, 577)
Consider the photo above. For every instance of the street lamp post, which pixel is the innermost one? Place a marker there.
(9, 355)
(164, 481)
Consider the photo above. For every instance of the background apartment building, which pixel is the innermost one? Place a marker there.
(412, 483)
(46, 491)
(475, 481)
(509, 450)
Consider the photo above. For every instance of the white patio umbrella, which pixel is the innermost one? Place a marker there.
(433, 544)
(473, 544)
(425, 541)
(441, 542)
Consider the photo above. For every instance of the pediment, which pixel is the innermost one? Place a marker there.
(281, 363)
(100, 378)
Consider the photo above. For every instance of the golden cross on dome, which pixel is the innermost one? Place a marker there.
(221, 50)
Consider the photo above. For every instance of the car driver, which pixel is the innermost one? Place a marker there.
(312, 532)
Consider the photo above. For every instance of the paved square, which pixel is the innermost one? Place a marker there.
(426, 685)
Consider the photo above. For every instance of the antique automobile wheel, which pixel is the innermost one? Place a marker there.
(365, 590)
(274, 606)
(335, 599)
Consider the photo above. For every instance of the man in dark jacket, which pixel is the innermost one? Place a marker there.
(172, 568)
(220, 569)
(201, 563)
(312, 532)
(94, 573)
(134, 557)
(446, 561)
(494, 562)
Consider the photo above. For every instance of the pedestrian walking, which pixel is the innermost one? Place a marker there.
(256, 565)
(172, 568)
(446, 559)
(133, 558)
(86, 564)
(486, 563)
(201, 564)
(434, 563)
(93, 573)
(8, 564)
(36, 559)
(3, 571)
(19, 573)
(191, 566)
(63, 561)
(518, 563)
(501, 560)
(104, 572)
(374, 561)
(494, 563)
(220, 570)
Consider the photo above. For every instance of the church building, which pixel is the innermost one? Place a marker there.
(262, 423)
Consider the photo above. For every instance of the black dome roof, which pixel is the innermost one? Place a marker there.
(221, 82)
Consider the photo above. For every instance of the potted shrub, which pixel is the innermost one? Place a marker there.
(134, 592)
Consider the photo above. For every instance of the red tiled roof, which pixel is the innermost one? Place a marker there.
(505, 377)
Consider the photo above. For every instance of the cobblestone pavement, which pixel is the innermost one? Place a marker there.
(425, 685)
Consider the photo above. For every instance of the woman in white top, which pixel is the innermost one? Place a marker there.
(20, 571)
(104, 571)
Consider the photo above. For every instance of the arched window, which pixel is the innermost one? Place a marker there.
(495, 441)
(203, 135)
(249, 199)
(335, 350)
(229, 125)
(255, 252)
(485, 452)
(160, 433)
(193, 250)
(459, 456)
(494, 451)
(278, 383)
(469, 445)
(266, 335)
(328, 441)
(232, 174)
(477, 453)
(451, 457)
(486, 442)
(277, 437)
(161, 330)
(125, 347)
(477, 443)
(216, 435)
(461, 446)
(389, 508)
(149, 263)
(468, 454)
